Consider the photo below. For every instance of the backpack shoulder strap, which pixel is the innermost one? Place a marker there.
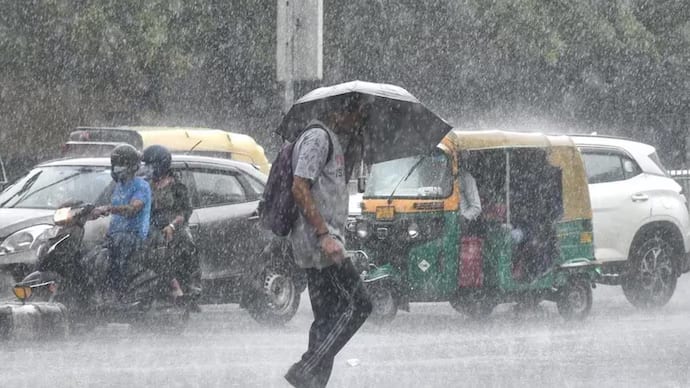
(328, 134)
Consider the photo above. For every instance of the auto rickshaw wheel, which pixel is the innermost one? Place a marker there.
(474, 308)
(384, 305)
(575, 299)
(651, 277)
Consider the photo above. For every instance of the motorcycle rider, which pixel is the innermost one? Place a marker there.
(170, 214)
(130, 209)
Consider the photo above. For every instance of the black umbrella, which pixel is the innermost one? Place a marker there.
(397, 125)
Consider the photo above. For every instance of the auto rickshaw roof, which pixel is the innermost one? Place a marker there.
(486, 139)
(183, 137)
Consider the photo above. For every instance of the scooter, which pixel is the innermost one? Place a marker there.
(75, 283)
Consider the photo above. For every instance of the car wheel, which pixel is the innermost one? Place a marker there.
(575, 300)
(650, 279)
(474, 307)
(276, 302)
(384, 307)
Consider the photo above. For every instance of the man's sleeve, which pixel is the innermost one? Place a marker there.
(473, 206)
(312, 153)
(142, 192)
(183, 206)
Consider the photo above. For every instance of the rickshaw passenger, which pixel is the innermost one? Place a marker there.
(537, 205)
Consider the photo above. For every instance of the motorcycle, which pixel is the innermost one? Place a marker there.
(77, 283)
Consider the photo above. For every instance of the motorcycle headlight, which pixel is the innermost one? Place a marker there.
(362, 230)
(351, 224)
(23, 239)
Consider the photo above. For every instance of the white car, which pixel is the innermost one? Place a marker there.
(640, 218)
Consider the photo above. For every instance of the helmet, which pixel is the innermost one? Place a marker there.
(158, 159)
(124, 161)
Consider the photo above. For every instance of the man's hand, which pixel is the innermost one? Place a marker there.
(332, 248)
(100, 211)
(168, 233)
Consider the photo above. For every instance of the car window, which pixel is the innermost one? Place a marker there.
(603, 167)
(254, 184)
(216, 187)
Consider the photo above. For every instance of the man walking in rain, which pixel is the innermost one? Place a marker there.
(338, 300)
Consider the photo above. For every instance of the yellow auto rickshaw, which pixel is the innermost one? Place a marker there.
(192, 140)
(532, 240)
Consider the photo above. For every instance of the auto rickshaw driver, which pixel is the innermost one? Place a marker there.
(470, 204)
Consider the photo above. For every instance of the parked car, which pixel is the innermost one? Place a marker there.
(640, 218)
(224, 195)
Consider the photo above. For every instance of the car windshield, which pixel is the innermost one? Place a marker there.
(50, 187)
(431, 178)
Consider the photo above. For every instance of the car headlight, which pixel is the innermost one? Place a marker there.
(23, 239)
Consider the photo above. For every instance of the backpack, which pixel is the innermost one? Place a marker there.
(277, 209)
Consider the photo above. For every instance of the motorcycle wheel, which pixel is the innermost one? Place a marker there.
(277, 300)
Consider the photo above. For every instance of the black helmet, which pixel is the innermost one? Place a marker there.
(158, 159)
(124, 161)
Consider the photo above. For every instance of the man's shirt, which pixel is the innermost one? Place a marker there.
(123, 194)
(310, 160)
(470, 205)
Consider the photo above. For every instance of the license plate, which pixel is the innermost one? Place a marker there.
(385, 212)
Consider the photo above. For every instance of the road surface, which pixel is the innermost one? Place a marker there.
(433, 346)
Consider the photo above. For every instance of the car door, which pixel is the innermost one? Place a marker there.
(226, 212)
(620, 202)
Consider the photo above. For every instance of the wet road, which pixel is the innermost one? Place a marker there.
(433, 346)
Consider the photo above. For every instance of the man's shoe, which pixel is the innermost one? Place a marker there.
(298, 379)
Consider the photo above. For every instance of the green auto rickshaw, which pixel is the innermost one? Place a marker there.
(531, 242)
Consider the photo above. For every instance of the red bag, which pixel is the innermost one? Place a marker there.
(470, 273)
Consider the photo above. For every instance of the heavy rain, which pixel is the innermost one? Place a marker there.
(494, 190)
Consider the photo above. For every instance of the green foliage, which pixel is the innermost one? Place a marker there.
(615, 63)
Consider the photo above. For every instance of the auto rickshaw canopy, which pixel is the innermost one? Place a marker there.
(562, 153)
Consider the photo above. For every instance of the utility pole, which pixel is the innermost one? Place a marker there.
(299, 45)
(288, 54)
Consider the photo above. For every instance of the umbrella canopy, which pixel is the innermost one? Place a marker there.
(397, 125)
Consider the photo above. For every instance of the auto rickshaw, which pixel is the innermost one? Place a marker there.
(531, 242)
(96, 141)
